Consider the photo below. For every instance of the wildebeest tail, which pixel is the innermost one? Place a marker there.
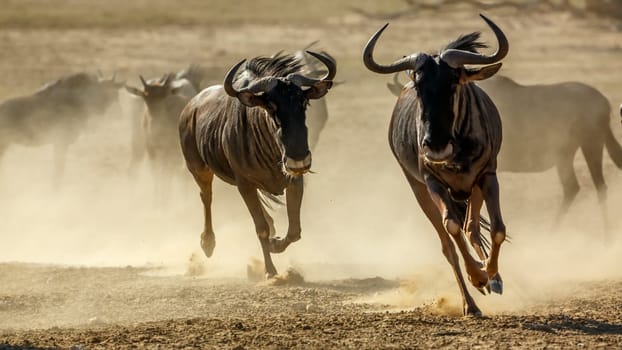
(613, 147)
(484, 242)
(268, 199)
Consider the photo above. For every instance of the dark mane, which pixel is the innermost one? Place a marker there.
(277, 66)
(468, 42)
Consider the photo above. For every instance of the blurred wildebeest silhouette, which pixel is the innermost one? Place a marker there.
(317, 112)
(544, 126)
(164, 100)
(251, 133)
(183, 84)
(445, 133)
(56, 114)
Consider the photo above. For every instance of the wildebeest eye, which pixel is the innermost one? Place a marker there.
(418, 75)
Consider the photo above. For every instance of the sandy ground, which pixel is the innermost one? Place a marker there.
(98, 264)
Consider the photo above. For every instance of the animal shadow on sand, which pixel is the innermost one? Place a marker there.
(561, 323)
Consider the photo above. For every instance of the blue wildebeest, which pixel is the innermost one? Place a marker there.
(251, 133)
(575, 116)
(317, 112)
(445, 133)
(154, 109)
(55, 114)
(164, 99)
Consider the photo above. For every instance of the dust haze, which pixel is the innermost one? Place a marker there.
(359, 218)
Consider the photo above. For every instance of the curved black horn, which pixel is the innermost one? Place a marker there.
(228, 84)
(409, 62)
(458, 58)
(142, 80)
(328, 62)
(301, 80)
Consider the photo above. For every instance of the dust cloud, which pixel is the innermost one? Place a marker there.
(359, 220)
(359, 217)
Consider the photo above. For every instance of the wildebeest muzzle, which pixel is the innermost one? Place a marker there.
(298, 167)
(437, 156)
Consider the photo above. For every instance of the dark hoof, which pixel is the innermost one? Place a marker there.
(483, 290)
(208, 243)
(278, 245)
(472, 312)
(495, 284)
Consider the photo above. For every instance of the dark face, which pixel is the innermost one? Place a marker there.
(154, 92)
(289, 103)
(436, 84)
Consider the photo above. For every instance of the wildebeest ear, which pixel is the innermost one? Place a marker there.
(481, 73)
(251, 100)
(134, 91)
(395, 88)
(319, 89)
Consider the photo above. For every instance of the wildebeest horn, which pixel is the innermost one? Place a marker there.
(142, 80)
(301, 80)
(458, 58)
(228, 83)
(409, 62)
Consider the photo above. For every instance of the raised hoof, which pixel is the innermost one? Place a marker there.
(207, 244)
(278, 245)
(495, 284)
(483, 290)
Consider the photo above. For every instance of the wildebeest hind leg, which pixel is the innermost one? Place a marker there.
(472, 222)
(593, 153)
(568, 178)
(490, 189)
(262, 227)
(453, 226)
(448, 248)
(204, 179)
(293, 197)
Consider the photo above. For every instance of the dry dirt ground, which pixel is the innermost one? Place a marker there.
(96, 264)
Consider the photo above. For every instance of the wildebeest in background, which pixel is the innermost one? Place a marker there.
(55, 114)
(251, 133)
(185, 83)
(445, 133)
(544, 126)
(317, 112)
(164, 99)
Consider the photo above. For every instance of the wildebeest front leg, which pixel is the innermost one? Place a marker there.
(293, 196)
(204, 179)
(490, 190)
(262, 227)
(447, 246)
(453, 225)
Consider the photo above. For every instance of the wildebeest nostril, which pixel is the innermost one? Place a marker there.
(427, 140)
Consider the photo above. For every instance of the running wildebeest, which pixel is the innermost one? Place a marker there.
(251, 133)
(164, 100)
(445, 133)
(574, 115)
(55, 114)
